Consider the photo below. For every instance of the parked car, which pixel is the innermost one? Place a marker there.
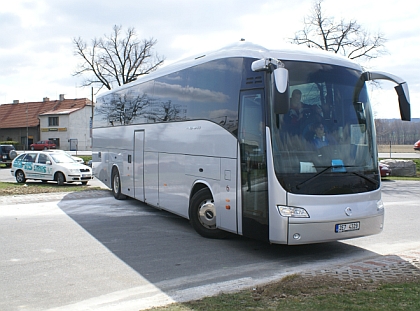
(7, 154)
(77, 159)
(417, 145)
(43, 145)
(47, 165)
(384, 169)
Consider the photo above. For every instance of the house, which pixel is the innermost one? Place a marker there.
(64, 121)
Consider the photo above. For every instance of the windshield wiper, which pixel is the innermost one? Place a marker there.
(298, 186)
(373, 181)
(313, 177)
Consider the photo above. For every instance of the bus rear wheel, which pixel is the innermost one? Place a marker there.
(202, 214)
(116, 185)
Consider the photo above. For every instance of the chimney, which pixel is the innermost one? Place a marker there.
(46, 99)
(16, 101)
(61, 97)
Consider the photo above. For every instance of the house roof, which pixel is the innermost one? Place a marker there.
(60, 111)
(26, 114)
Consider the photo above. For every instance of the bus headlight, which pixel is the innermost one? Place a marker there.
(288, 211)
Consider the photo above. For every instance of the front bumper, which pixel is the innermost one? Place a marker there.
(325, 231)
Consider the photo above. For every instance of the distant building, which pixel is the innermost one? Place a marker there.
(65, 121)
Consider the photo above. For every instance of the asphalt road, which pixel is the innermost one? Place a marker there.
(87, 251)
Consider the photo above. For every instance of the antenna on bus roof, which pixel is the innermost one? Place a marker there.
(242, 39)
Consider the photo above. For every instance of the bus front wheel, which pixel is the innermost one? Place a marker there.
(116, 185)
(202, 214)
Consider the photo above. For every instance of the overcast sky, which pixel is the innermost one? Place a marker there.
(37, 52)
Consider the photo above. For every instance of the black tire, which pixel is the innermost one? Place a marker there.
(202, 214)
(20, 177)
(32, 148)
(45, 148)
(59, 177)
(116, 185)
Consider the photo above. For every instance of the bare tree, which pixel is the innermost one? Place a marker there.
(116, 60)
(344, 37)
(123, 109)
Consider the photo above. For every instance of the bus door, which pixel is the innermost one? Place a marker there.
(254, 183)
(139, 165)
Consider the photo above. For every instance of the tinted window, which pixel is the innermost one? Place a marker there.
(128, 106)
(209, 91)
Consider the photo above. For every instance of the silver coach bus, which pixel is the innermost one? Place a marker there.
(274, 145)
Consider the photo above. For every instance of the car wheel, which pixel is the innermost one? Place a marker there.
(202, 214)
(45, 148)
(116, 185)
(59, 177)
(20, 177)
(32, 148)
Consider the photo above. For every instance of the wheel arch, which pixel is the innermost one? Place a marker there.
(114, 167)
(18, 170)
(56, 172)
(118, 195)
(61, 172)
(197, 186)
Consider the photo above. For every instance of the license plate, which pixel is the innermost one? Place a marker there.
(84, 176)
(350, 226)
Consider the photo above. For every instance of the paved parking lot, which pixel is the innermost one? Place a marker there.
(87, 251)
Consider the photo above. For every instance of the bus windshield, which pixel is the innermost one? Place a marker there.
(325, 144)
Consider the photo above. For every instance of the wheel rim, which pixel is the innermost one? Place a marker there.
(207, 214)
(116, 183)
(60, 178)
(20, 177)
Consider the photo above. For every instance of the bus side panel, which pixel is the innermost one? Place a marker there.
(226, 215)
(151, 178)
(173, 184)
(278, 225)
(138, 165)
(126, 173)
(101, 167)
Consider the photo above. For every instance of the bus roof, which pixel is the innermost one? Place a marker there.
(247, 50)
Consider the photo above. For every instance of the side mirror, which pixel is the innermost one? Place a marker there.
(279, 82)
(401, 89)
(281, 77)
(404, 101)
(48, 162)
(280, 89)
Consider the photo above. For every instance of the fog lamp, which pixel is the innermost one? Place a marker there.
(296, 236)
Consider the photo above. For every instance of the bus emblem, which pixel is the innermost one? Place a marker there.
(348, 211)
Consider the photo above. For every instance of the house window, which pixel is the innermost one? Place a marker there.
(52, 121)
